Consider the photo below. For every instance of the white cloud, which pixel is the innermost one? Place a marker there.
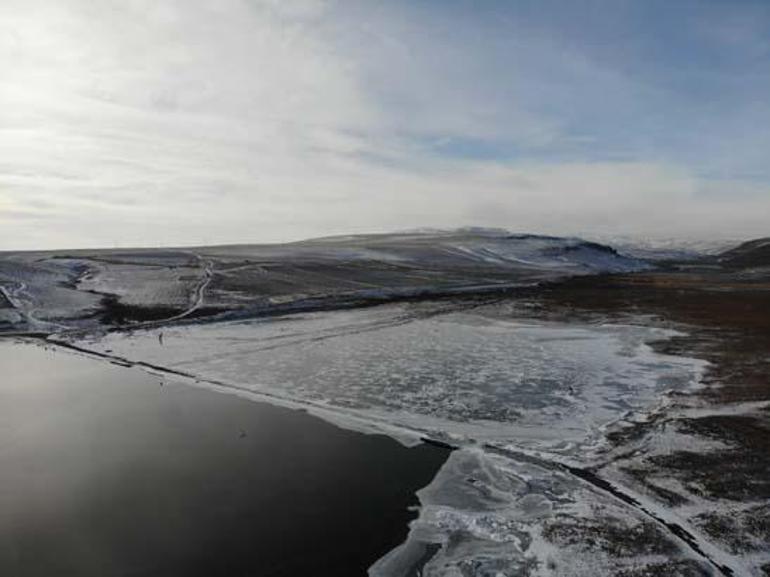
(180, 122)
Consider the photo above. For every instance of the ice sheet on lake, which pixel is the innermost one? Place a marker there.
(458, 375)
(469, 375)
(489, 516)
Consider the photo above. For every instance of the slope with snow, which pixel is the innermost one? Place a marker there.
(76, 288)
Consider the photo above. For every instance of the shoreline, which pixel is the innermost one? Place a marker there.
(241, 477)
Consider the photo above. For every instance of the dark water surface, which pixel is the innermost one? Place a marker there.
(105, 472)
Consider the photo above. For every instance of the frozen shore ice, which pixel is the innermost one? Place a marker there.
(458, 375)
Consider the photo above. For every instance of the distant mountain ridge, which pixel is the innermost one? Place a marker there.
(85, 288)
(461, 247)
(753, 253)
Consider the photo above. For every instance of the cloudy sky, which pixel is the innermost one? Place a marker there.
(163, 122)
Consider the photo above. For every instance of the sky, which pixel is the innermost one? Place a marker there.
(187, 122)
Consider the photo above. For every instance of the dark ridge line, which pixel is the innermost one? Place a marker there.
(438, 443)
(675, 528)
(595, 480)
(24, 335)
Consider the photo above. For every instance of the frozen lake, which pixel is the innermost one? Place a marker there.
(449, 372)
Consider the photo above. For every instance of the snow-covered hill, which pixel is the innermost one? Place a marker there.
(143, 284)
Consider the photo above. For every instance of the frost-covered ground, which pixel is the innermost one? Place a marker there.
(42, 294)
(142, 285)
